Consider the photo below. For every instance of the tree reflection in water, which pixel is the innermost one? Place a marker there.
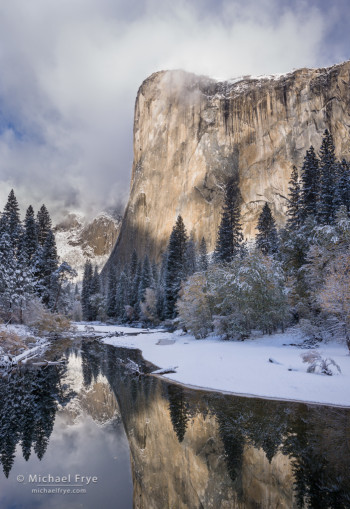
(315, 438)
(28, 404)
(178, 408)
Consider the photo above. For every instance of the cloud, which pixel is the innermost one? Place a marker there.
(70, 71)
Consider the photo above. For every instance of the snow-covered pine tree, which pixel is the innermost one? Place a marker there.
(86, 290)
(48, 265)
(3, 223)
(155, 274)
(328, 170)
(267, 238)
(12, 222)
(96, 303)
(30, 237)
(310, 184)
(203, 256)
(146, 280)
(342, 189)
(111, 293)
(190, 256)
(44, 224)
(62, 297)
(16, 281)
(133, 264)
(230, 237)
(122, 297)
(294, 201)
(160, 290)
(174, 266)
(135, 283)
(95, 283)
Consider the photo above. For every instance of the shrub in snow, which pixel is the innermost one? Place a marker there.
(311, 330)
(234, 298)
(11, 342)
(317, 364)
(195, 306)
(43, 321)
(334, 296)
(149, 307)
(233, 326)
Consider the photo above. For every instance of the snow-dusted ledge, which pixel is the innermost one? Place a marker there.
(243, 367)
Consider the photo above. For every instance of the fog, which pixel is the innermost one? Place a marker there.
(70, 72)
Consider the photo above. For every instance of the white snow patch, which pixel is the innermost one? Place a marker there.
(244, 367)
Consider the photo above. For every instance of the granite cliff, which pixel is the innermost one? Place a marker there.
(192, 132)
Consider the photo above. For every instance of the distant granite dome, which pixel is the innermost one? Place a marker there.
(191, 132)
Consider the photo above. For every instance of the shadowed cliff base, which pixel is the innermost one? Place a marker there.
(130, 238)
(190, 132)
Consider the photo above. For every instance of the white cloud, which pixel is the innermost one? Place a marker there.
(70, 70)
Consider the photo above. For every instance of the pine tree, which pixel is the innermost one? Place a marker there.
(146, 280)
(342, 189)
(16, 281)
(155, 274)
(190, 256)
(175, 266)
(122, 297)
(160, 291)
(133, 264)
(95, 295)
(62, 297)
(135, 285)
(86, 290)
(203, 256)
(325, 209)
(267, 238)
(294, 203)
(111, 295)
(310, 183)
(12, 222)
(30, 237)
(230, 235)
(48, 265)
(44, 224)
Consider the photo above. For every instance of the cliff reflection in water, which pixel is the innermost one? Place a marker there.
(191, 449)
(199, 449)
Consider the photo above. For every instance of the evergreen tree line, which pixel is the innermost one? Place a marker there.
(286, 274)
(28, 403)
(29, 264)
(300, 272)
(144, 291)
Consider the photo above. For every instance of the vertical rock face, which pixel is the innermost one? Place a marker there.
(191, 133)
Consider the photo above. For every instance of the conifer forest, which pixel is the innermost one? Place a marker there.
(295, 274)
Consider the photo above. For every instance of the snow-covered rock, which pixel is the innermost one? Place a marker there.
(78, 239)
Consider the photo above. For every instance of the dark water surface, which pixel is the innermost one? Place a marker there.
(126, 441)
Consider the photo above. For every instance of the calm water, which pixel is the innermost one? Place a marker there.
(122, 441)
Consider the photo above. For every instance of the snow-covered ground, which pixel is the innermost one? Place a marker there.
(100, 328)
(243, 367)
(17, 343)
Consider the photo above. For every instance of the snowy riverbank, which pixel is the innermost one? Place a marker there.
(18, 345)
(243, 367)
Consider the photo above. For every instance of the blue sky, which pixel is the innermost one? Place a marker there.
(70, 70)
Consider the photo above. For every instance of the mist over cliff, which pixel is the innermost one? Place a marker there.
(191, 133)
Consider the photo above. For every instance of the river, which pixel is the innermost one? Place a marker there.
(93, 434)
